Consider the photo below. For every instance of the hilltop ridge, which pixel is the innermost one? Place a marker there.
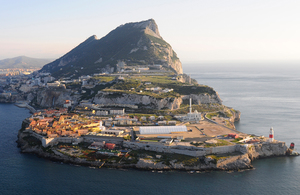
(23, 62)
(136, 43)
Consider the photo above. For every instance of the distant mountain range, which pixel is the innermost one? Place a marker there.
(132, 44)
(23, 62)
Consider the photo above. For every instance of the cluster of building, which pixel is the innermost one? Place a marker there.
(57, 123)
(158, 90)
(16, 71)
(191, 116)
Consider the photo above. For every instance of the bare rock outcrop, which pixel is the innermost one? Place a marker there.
(135, 99)
(149, 164)
(204, 98)
(235, 162)
(267, 150)
(53, 97)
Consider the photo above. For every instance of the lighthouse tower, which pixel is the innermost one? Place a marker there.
(271, 135)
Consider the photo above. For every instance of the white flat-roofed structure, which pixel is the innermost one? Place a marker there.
(161, 129)
(112, 131)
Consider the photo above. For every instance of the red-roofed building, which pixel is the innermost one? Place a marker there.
(110, 146)
(233, 135)
(68, 103)
(82, 131)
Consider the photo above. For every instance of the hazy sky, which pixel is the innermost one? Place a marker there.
(198, 30)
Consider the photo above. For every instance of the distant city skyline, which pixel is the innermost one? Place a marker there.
(198, 30)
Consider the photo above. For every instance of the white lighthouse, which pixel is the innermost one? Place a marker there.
(271, 135)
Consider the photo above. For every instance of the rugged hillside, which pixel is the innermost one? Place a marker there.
(134, 99)
(23, 62)
(132, 44)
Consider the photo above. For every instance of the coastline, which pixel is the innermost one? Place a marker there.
(232, 162)
(24, 104)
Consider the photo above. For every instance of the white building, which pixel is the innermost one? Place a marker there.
(101, 127)
(161, 129)
(68, 103)
(117, 111)
(191, 116)
(102, 112)
(112, 131)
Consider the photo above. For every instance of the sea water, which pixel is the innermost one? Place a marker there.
(265, 98)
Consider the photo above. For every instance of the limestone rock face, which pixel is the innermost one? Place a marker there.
(268, 149)
(149, 164)
(176, 65)
(25, 88)
(235, 162)
(50, 97)
(151, 102)
(135, 99)
(204, 98)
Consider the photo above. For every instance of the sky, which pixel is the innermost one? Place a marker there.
(198, 30)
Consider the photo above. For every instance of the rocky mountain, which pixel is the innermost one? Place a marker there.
(23, 62)
(132, 44)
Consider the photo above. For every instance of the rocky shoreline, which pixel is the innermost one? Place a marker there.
(231, 162)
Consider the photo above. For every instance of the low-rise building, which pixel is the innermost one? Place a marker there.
(117, 111)
(112, 131)
(101, 112)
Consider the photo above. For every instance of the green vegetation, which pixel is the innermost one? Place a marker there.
(158, 96)
(128, 84)
(74, 85)
(226, 114)
(219, 143)
(135, 85)
(157, 40)
(217, 158)
(148, 140)
(237, 140)
(104, 79)
(210, 115)
(158, 80)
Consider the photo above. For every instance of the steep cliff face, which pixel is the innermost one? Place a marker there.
(204, 98)
(236, 115)
(49, 98)
(134, 99)
(151, 102)
(176, 65)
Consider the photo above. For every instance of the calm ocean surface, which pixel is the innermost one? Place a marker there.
(265, 97)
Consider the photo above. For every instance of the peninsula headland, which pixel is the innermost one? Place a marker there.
(123, 101)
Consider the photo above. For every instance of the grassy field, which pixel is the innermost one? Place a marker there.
(219, 143)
